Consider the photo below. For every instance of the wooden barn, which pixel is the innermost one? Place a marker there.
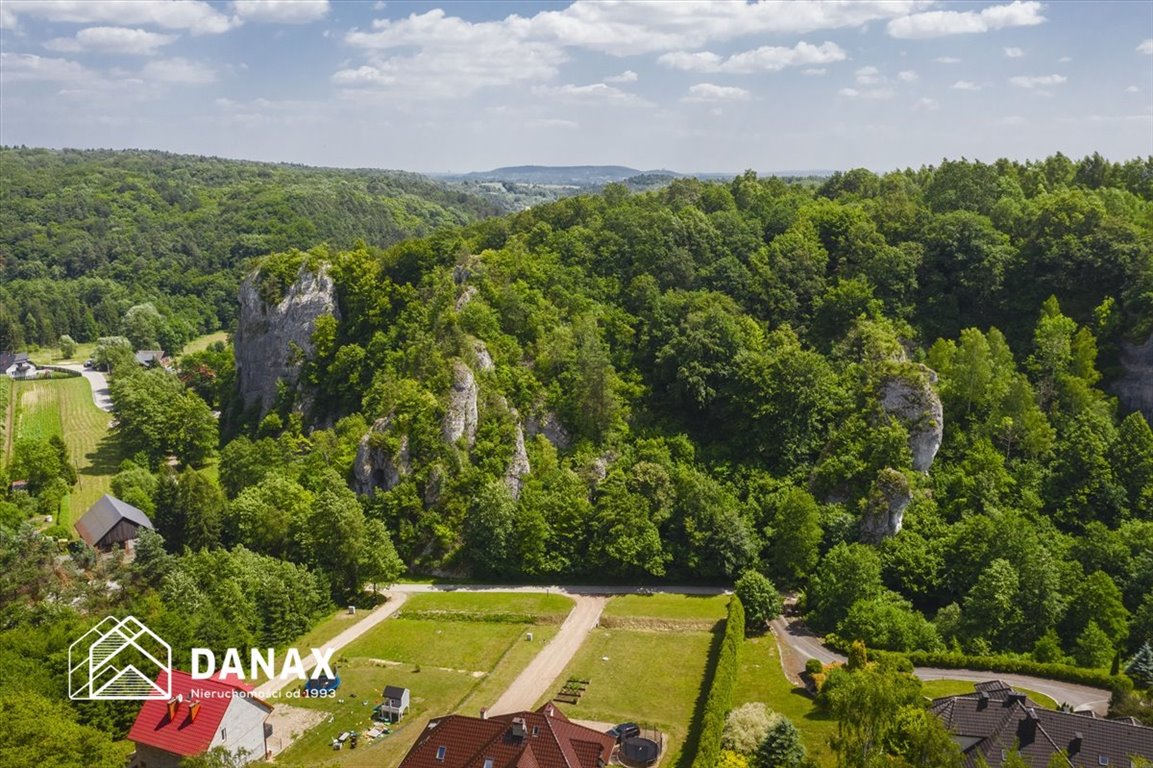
(109, 522)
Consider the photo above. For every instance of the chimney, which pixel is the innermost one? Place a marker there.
(193, 710)
(518, 728)
(1075, 743)
(982, 700)
(484, 713)
(174, 706)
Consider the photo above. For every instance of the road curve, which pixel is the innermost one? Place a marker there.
(99, 383)
(803, 644)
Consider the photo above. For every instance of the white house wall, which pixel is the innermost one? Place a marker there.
(244, 724)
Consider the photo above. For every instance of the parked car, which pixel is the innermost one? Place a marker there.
(625, 731)
(87, 363)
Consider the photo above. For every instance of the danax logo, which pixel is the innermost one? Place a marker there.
(123, 660)
(204, 664)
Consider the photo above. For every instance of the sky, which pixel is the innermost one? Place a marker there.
(712, 86)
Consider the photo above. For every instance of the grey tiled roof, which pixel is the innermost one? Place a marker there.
(103, 516)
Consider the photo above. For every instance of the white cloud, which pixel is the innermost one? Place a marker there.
(947, 60)
(281, 11)
(868, 76)
(1146, 47)
(178, 71)
(1064, 59)
(1034, 81)
(595, 93)
(379, 5)
(941, 23)
(812, 71)
(764, 59)
(1132, 89)
(137, 42)
(925, 104)
(711, 92)
(7, 18)
(26, 67)
(193, 15)
(1014, 53)
(965, 85)
(628, 76)
(868, 93)
(907, 76)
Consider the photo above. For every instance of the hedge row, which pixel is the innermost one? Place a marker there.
(720, 696)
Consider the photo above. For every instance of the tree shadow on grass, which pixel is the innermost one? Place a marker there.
(105, 459)
(693, 737)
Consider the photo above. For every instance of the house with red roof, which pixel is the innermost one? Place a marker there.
(201, 715)
(541, 739)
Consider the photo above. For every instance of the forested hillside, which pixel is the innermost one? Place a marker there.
(693, 382)
(888, 394)
(84, 235)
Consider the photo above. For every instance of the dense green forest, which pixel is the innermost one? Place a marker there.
(84, 235)
(682, 385)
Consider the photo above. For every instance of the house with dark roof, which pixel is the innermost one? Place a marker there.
(201, 715)
(17, 365)
(541, 739)
(395, 703)
(111, 521)
(994, 720)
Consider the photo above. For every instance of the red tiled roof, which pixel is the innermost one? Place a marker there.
(469, 742)
(179, 735)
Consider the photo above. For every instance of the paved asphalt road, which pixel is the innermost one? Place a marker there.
(806, 645)
(99, 383)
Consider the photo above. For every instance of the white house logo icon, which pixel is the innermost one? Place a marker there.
(119, 659)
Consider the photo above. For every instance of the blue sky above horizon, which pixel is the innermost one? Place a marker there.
(691, 86)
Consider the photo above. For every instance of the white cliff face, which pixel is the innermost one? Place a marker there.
(911, 399)
(480, 351)
(460, 417)
(1135, 387)
(518, 466)
(376, 468)
(272, 342)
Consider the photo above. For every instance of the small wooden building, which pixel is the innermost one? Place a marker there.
(395, 704)
(109, 522)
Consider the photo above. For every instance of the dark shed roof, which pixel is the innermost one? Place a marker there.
(104, 515)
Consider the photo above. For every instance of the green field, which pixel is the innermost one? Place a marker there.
(450, 665)
(64, 407)
(935, 689)
(536, 604)
(204, 342)
(760, 678)
(662, 606)
(656, 679)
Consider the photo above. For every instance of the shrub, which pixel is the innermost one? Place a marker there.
(760, 599)
(814, 666)
(746, 727)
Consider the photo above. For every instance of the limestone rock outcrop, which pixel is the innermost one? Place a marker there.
(460, 416)
(518, 466)
(273, 341)
(885, 513)
(376, 467)
(1135, 387)
(910, 398)
(549, 425)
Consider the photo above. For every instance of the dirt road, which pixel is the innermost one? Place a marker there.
(797, 644)
(536, 679)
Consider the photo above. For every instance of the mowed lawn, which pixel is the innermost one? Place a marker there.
(449, 664)
(760, 678)
(542, 606)
(64, 407)
(662, 606)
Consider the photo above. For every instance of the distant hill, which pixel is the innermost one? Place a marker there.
(568, 175)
